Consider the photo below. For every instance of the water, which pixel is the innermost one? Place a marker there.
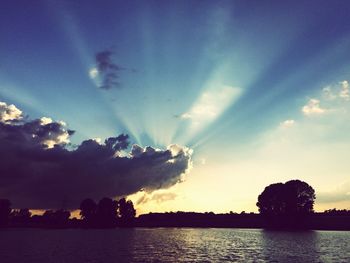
(172, 245)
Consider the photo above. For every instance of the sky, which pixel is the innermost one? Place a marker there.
(205, 103)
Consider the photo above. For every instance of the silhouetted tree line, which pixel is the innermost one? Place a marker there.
(193, 219)
(281, 205)
(105, 213)
(338, 212)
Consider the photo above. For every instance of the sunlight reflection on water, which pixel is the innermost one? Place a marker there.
(172, 245)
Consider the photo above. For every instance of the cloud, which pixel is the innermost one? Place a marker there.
(209, 106)
(9, 113)
(339, 194)
(156, 197)
(340, 91)
(93, 73)
(106, 71)
(328, 93)
(344, 92)
(163, 197)
(313, 108)
(186, 116)
(38, 170)
(335, 100)
(42, 131)
(46, 133)
(287, 123)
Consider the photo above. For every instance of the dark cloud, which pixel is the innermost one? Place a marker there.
(38, 170)
(108, 71)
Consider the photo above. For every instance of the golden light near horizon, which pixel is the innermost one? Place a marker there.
(243, 117)
(174, 131)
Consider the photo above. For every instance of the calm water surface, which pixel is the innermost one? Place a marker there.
(172, 245)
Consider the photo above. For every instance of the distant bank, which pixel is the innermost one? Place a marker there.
(281, 206)
(315, 221)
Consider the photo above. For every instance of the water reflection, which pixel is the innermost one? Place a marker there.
(172, 245)
(299, 246)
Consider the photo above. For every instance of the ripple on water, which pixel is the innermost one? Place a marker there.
(172, 245)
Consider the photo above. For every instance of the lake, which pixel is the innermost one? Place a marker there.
(172, 245)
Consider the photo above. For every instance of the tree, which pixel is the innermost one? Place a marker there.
(337, 212)
(24, 213)
(57, 218)
(20, 216)
(88, 210)
(107, 212)
(126, 209)
(294, 198)
(5, 211)
(300, 197)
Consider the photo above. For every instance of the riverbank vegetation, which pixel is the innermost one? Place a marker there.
(281, 206)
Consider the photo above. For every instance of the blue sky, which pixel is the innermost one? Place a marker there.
(228, 79)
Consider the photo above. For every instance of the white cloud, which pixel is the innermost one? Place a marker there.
(45, 120)
(98, 140)
(313, 108)
(287, 123)
(344, 93)
(9, 113)
(345, 84)
(340, 91)
(93, 73)
(186, 116)
(95, 76)
(210, 105)
(328, 93)
(57, 139)
(62, 123)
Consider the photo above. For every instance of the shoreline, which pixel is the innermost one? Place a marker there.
(318, 221)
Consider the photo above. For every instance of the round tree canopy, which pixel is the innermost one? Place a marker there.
(295, 197)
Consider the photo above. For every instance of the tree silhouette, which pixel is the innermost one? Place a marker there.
(5, 211)
(338, 212)
(126, 209)
(21, 216)
(286, 205)
(271, 200)
(107, 212)
(56, 218)
(88, 210)
(295, 197)
(24, 213)
(300, 197)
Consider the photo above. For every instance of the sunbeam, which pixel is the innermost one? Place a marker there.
(241, 89)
